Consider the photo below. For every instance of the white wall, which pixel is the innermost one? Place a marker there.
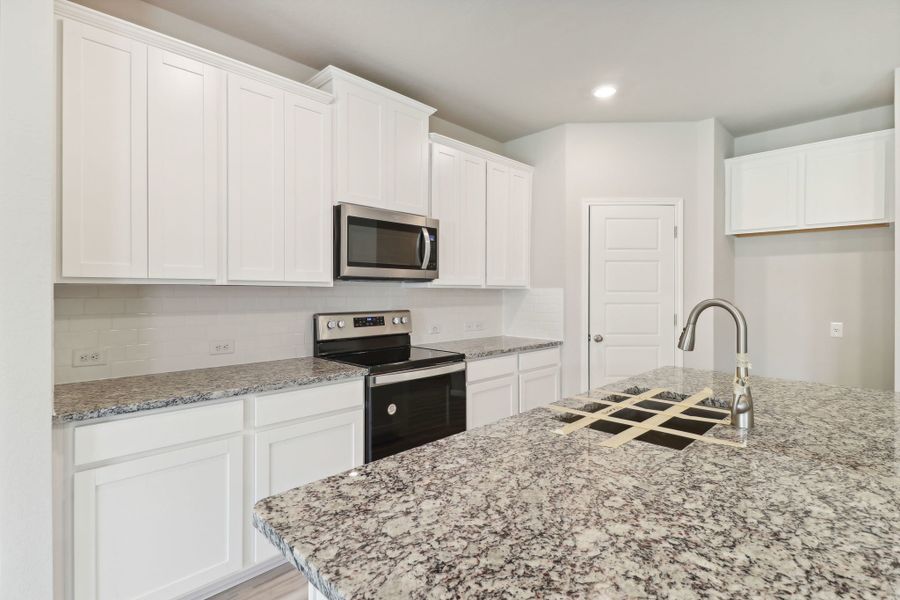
(608, 160)
(26, 170)
(792, 286)
(158, 328)
(896, 234)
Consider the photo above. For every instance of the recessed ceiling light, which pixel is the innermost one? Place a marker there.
(604, 91)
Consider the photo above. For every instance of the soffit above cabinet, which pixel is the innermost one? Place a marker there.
(331, 73)
(76, 12)
(437, 138)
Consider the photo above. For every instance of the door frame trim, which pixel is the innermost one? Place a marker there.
(585, 308)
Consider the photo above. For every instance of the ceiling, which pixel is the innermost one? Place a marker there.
(506, 68)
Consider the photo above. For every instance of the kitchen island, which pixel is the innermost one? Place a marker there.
(809, 507)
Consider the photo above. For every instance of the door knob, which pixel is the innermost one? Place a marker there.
(598, 338)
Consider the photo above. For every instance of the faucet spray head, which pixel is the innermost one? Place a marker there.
(686, 341)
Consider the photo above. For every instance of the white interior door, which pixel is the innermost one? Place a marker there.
(632, 302)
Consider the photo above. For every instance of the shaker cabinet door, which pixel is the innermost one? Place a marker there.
(160, 526)
(491, 400)
(294, 455)
(185, 98)
(307, 190)
(255, 181)
(104, 154)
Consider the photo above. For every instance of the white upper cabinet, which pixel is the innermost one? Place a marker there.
(185, 125)
(380, 144)
(177, 161)
(255, 180)
(508, 226)
(279, 185)
(104, 154)
(841, 182)
(307, 190)
(458, 202)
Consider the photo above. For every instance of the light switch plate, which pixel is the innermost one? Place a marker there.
(837, 330)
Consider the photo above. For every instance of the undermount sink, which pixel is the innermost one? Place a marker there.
(657, 438)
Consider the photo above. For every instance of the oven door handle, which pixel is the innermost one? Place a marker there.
(427, 242)
(379, 380)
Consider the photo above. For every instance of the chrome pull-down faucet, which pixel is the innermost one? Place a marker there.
(742, 401)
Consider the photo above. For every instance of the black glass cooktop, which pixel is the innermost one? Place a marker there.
(387, 360)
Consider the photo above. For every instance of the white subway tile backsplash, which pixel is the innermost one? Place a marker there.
(158, 328)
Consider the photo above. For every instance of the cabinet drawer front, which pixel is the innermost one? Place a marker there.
(308, 401)
(490, 367)
(538, 359)
(148, 432)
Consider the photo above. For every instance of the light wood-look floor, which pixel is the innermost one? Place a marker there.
(281, 583)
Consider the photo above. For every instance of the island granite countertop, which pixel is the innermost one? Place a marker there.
(493, 346)
(809, 508)
(108, 397)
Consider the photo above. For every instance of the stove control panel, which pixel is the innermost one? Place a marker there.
(342, 326)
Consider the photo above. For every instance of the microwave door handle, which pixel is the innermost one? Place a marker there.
(427, 243)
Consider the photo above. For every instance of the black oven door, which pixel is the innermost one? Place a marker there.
(379, 244)
(411, 408)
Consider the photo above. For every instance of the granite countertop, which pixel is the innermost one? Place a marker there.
(108, 397)
(809, 508)
(492, 346)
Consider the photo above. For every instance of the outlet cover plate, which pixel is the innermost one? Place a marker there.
(222, 347)
(88, 357)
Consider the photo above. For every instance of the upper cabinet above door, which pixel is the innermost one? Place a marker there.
(837, 183)
(380, 144)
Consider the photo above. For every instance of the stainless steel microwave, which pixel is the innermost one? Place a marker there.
(373, 243)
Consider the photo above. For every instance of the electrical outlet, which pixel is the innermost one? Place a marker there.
(479, 325)
(88, 357)
(434, 329)
(469, 326)
(222, 347)
(837, 330)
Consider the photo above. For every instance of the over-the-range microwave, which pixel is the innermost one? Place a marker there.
(373, 243)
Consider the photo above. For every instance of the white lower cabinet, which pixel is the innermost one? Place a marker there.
(158, 505)
(294, 455)
(500, 387)
(491, 400)
(159, 526)
(538, 388)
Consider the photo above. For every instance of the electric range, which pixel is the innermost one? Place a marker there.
(414, 395)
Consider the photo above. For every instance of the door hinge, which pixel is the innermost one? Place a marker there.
(676, 231)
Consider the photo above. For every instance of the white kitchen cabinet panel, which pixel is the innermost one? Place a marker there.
(491, 400)
(307, 190)
(508, 248)
(765, 193)
(104, 153)
(458, 201)
(255, 181)
(160, 526)
(185, 131)
(835, 183)
(538, 387)
(408, 164)
(847, 182)
(294, 455)
(380, 144)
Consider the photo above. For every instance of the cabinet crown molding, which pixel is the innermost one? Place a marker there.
(331, 72)
(437, 138)
(76, 12)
